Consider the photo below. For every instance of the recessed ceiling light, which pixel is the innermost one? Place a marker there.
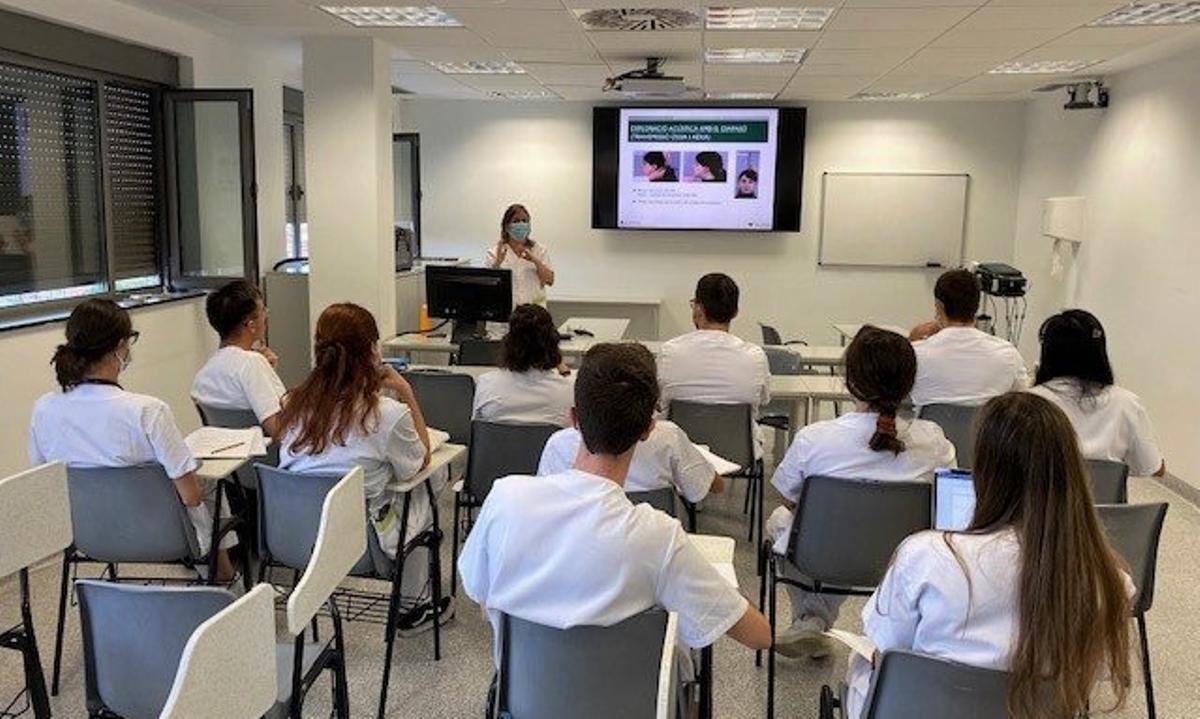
(638, 19)
(739, 96)
(480, 67)
(1041, 67)
(393, 16)
(526, 95)
(768, 18)
(889, 96)
(756, 55)
(1154, 13)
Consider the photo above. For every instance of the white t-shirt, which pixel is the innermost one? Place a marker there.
(96, 425)
(1112, 425)
(570, 549)
(715, 367)
(839, 448)
(963, 365)
(526, 285)
(667, 458)
(533, 396)
(234, 378)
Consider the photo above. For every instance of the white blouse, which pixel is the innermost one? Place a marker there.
(1112, 425)
(526, 284)
(534, 396)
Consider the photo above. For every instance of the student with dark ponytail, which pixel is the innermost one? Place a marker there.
(94, 422)
(869, 443)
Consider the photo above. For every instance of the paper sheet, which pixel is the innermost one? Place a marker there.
(437, 438)
(223, 443)
(858, 644)
(719, 464)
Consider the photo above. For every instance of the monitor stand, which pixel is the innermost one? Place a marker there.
(468, 331)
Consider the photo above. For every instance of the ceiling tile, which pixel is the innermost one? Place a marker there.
(499, 4)
(930, 19)
(1003, 83)
(506, 27)
(563, 74)
(1070, 52)
(842, 85)
(495, 83)
(1097, 36)
(1043, 16)
(915, 84)
(873, 39)
(582, 54)
(646, 44)
(411, 37)
(912, 3)
(723, 84)
(587, 93)
(780, 72)
(760, 38)
(454, 54)
(1015, 40)
(953, 61)
(617, 4)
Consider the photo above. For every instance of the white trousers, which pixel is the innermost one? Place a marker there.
(822, 607)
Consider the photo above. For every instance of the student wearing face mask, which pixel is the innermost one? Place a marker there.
(528, 260)
(95, 422)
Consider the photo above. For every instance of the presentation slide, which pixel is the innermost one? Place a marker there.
(697, 168)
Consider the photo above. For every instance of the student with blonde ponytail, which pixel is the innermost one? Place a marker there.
(1031, 587)
(869, 443)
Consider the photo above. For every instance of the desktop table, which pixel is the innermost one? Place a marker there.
(719, 551)
(847, 330)
(603, 329)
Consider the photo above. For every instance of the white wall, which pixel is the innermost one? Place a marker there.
(1138, 164)
(477, 157)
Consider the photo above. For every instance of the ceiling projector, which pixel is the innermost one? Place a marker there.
(648, 82)
(1079, 94)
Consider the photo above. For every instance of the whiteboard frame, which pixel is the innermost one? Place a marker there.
(962, 242)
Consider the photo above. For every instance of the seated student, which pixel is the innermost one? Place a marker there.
(666, 458)
(870, 443)
(339, 418)
(711, 364)
(957, 363)
(241, 373)
(1074, 373)
(523, 557)
(94, 422)
(1031, 587)
(532, 384)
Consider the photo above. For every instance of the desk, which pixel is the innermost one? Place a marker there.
(718, 551)
(603, 329)
(441, 457)
(441, 344)
(847, 330)
(642, 312)
(816, 355)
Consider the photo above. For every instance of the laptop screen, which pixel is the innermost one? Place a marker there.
(953, 499)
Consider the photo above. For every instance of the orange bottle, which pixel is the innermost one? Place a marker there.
(423, 321)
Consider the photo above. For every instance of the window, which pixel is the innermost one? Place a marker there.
(133, 165)
(296, 222)
(406, 171)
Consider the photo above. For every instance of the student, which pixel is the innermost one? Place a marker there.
(711, 364)
(528, 260)
(532, 384)
(957, 363)
(869, 443)
(1032, 587)
(339, 418)
(570, 549)
(94, 422)
(241, 374)
(656, 169)
(1074, 373)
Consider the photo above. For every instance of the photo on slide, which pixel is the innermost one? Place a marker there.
(656, 166)
(746, 186)
(705, 166)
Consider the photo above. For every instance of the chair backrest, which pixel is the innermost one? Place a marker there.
(106, 500)
(661, 499)
(482, 353)
(725, 428)
(445, 400)
(341, 544)
(846, 530)
(133, 639)
(958, 423)
(913, 686)
(1110, 481)
(228, 665)
(551, 673)
(238, 419)
(770, 335)
(35, 516)
(289, 517)
(499, 449)
(1134, 531)
(783, 361)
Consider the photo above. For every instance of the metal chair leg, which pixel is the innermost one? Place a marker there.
(435, 571)
(762, 490)
(26, 640)
(1150, 708)
(394, 606)
(762, 591)
(753, 490)
(62, 619)
(771, 607)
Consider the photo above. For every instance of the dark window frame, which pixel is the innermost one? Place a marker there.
(414, 140)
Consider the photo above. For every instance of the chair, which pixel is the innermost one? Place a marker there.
(238, 419)
(908, 685)
(482, 353)
(290, 512)
(35, 523)
(841, 542)
(102, 501)
(958, 422)
(446, 400)
(725, 428)
(1110, 481)
(497, 449)
(1134, 531)
(548, 673)
(776, 413)
(771, 336)
(665, 500)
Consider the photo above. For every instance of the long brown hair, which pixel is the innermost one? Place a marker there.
(341, 392)
(1073, 625)
(881, 368)
(95, 329)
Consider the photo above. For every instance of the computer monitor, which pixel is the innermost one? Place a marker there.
(953, 499)
(468, 295)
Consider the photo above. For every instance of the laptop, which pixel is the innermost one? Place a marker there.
(953, 499)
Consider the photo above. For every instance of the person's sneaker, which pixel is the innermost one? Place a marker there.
(419, 619)
(805, 638)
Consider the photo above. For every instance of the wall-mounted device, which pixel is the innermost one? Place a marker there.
(1090, 94)
(651, 83)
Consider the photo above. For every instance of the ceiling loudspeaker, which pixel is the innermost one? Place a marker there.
(1081, 94)
(638, 19)
(650, 82)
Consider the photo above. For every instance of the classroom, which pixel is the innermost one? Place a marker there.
(823, 359)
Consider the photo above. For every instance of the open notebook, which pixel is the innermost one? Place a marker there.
(224, 443)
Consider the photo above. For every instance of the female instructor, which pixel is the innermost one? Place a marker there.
(529, 261)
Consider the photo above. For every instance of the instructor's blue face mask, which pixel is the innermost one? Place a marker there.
(519, 231)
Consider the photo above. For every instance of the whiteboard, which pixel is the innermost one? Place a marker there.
(893, 219)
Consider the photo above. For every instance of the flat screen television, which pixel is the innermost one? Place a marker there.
(697, 168)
